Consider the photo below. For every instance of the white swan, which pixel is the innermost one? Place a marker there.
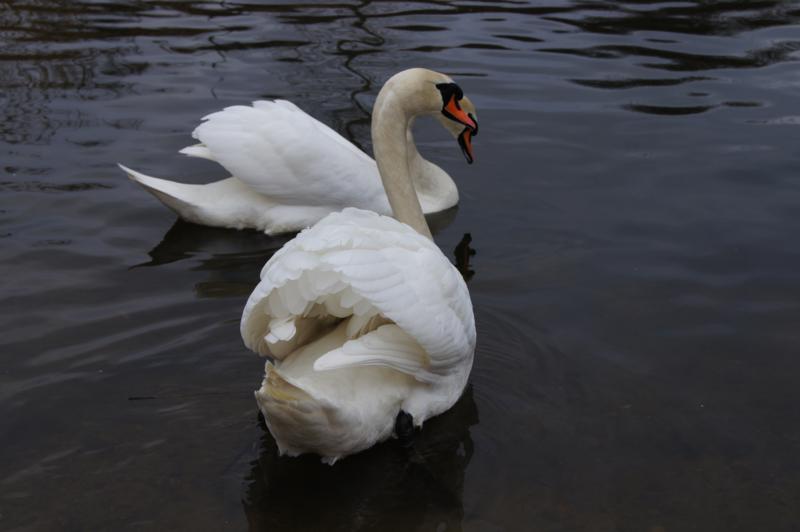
(366, 321)
(291, 170)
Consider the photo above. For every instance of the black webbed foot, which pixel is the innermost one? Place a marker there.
(404, 428)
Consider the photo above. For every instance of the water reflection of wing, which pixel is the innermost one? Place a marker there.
(439, 221)
(184, 240)
(385, 488)
(231, 259)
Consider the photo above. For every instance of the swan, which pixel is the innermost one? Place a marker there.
(368, 327)
(289, 170)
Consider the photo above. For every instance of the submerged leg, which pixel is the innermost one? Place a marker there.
(404, 428)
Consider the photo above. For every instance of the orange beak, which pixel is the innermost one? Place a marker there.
(465, 141)
(454, 111)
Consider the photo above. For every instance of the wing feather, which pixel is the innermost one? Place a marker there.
(387, 266)
(387, 346)
(283, 153)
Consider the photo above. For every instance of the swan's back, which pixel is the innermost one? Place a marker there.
(364, 317)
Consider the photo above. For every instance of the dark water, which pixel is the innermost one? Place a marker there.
(635, 207)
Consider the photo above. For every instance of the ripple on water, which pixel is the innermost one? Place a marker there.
(673, 110)
(629, 83)
(515, 367)
(41, 186)
(634, 287)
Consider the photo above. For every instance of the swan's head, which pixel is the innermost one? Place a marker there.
(424, 91)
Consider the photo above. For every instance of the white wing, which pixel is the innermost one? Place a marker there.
(382, 276)
(286, 155)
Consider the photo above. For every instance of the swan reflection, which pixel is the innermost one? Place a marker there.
(232, 259)
(463, 253)
(387, 487)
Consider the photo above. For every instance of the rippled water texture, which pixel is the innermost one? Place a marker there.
(635, 208)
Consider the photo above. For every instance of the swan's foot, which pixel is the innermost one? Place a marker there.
(404, 428)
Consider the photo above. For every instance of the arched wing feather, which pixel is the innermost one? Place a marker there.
(384, 266)
(283, 153)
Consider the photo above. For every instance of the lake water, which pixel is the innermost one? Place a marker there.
(635, 211)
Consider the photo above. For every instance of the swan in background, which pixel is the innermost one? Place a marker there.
(289, 170)
(368, 325)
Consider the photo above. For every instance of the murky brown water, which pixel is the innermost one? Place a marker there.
(635, 207)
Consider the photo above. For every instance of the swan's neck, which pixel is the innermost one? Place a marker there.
(435, 188)
(391, 118)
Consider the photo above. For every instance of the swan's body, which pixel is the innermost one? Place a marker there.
(362, 315)
(289, 171)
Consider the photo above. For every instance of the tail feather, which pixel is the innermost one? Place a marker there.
(183, 199)
(228, 203)
(198, 150)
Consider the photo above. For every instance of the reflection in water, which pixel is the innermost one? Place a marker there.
(637, 336)
(692, 17)
(688, 62)
(439, 221)
(387, 487)
(463, 252)
(234, 258)
(39, 68)
(184, 240)
(352, 49)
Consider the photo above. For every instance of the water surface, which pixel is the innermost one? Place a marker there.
(634, 208)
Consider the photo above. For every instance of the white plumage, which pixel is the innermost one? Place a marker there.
(283, 153)
(363, 317)
(288, 171)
